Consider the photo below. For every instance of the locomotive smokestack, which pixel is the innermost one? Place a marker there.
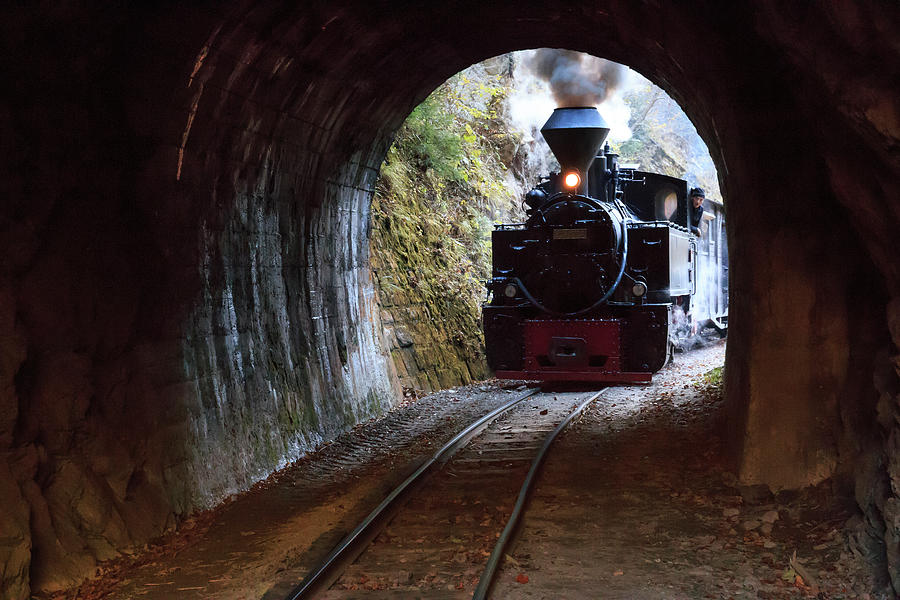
(575, 136)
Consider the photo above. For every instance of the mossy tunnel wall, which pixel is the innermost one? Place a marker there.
(185, 294)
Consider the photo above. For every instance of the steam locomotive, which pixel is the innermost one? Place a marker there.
(594, 285)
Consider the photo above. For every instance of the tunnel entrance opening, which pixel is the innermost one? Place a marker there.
(462, 162)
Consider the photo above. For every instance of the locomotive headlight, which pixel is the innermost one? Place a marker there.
(639, 288)
(510, 290)
(572, 179)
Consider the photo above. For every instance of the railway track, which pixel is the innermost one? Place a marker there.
(443, 532)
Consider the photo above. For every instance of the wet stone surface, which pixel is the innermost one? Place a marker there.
(634, 501)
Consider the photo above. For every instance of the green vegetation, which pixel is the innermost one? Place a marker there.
(714, 376)
(713, 382)
(442, 184)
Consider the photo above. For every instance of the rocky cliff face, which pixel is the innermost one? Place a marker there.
(445, 181)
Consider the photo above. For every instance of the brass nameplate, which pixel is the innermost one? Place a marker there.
(570, 234)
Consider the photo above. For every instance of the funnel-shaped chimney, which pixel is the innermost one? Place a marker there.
(575, 135)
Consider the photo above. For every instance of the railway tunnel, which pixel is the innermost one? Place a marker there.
(185, 296)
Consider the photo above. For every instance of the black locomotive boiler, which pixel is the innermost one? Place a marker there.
(585, 289)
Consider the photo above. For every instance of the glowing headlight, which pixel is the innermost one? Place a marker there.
(510, 290)
(639, 288)
(572, 179)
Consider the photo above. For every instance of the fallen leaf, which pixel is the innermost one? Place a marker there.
(522, 578)
(617, 573)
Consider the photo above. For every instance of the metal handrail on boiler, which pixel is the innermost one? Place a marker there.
(624, 261)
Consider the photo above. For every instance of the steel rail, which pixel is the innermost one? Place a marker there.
(487, 577)
(310, 581)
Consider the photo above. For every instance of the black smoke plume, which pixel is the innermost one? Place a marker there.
(576, 79)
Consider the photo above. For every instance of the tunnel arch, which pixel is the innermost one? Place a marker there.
(202, 158)
(705, 83)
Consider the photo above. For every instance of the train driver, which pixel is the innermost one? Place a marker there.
(697, 196)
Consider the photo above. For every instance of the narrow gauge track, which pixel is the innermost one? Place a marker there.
(443, 531)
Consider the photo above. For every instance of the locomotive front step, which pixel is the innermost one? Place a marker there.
(588, 350)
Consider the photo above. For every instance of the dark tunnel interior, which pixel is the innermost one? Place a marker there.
(185, 292)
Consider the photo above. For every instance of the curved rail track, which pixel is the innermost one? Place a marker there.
(441, 531)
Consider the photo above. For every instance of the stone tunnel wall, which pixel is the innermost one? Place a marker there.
(838, 60)
(282, 353)
(185, 297)
(177, 317)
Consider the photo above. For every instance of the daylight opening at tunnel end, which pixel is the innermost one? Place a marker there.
(475, 158)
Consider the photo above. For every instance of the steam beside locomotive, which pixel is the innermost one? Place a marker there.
(595, 283)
